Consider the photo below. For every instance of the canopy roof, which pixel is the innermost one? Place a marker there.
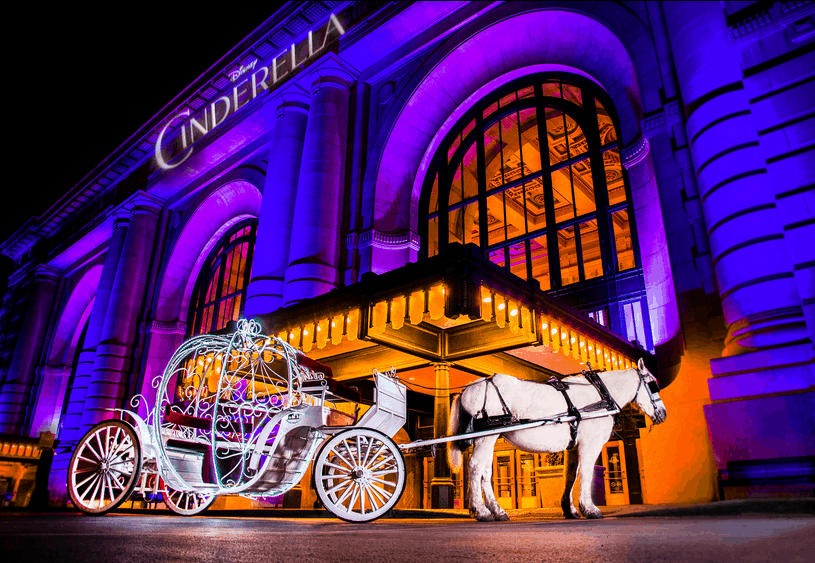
(456, 308)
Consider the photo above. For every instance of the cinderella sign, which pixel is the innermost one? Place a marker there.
(192, 128)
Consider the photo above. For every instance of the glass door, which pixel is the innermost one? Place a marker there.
(616, 477)
(503, 479)
(527, 484)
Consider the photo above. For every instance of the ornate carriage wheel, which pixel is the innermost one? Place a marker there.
(187, 503)
(105, 467)
(359, 475)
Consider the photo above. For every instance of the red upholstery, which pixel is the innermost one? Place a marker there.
(314, 365)
(334, 387)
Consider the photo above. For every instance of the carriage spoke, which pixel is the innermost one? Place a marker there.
(338, 467)
(382, 481)
(89, 446)
(338, 487)
(376, 488)
(362, 491)
(374, 491)
(344, 496)
(96, 473)
(368, 452)
(384, 472)
(87, 459)
(354, 497)
(374, 498)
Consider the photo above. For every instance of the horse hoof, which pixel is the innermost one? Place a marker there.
(595, 515)
(502, 517)
(484, 517)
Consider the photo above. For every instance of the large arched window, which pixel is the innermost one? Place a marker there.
(220, 292)
(533, 175)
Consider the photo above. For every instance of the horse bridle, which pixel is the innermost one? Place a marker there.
(652, 388)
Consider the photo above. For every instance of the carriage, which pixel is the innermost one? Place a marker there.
(245, 413)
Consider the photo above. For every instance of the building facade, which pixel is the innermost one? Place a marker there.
(632, 178)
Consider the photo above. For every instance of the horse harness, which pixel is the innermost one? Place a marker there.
(487, 422)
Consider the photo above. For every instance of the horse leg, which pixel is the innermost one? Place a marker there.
(566, 503)
(589, 449)
(489, 495)
(480, 473)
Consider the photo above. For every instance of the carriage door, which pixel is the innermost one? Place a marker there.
(503, 478)
(616, 475)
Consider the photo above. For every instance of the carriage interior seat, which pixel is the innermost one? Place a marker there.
(334, 387)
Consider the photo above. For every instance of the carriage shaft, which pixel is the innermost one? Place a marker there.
(558, 419)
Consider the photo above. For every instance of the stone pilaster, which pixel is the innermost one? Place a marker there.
(78, 391)
(271, 257)
(315, 242)
(112, 366)
(16, 393)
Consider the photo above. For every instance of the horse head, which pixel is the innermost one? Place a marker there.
(647, 397)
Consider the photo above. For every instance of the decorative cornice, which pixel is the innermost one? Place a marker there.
(777, 17)
(662, 121)
(168, 327)
(635, 153)
(383, 241)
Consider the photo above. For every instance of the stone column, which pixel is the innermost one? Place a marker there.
(109, 380)
(271, 257)
(16, 393)
(441, 485)
(78, 391)
(761, 389)
(656, 260)
(760, 300)
(315, 242)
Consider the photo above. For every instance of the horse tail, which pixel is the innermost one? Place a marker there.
(460, 422)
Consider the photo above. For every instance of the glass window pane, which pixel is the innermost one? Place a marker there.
(453, 146)
(634, 328)
(236, 311)
(567, 250)
(583, 187)
(517, 259)
(471, 224)
(455, 187)
(562, 192)
(241, 274)
(527, 92)
(508, 99)
(530, 144)
(556, 133)
(434, 195)
(540, 262)
(577, 140)
(455, 221)
(470, 175)
(497, 257)
(590, 246)
(607, 132)
(622, 240)
(514, 202)
(535, 207)
(511, 147)
(467, 128)
(492, 156)
(495, 219)
(551, 89)
(572, 93)
(432, 237)
(614, 176)
(490, 109)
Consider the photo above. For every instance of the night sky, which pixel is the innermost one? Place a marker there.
(87, 80)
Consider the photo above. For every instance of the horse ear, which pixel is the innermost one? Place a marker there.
(641, 366)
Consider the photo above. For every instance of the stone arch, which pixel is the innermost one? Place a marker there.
(73, 316)
(474, 63)
(223, 208)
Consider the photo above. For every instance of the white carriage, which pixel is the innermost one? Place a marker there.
(245, 414)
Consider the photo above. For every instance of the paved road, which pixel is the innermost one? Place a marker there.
(124, 538)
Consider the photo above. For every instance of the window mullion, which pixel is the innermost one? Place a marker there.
(481, 166)
(553, 249)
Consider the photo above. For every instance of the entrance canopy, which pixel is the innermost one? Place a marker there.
(456, 308)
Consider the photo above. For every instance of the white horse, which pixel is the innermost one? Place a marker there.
(536, 401)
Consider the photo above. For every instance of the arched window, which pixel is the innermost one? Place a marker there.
(220, 292)
(533, 175)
